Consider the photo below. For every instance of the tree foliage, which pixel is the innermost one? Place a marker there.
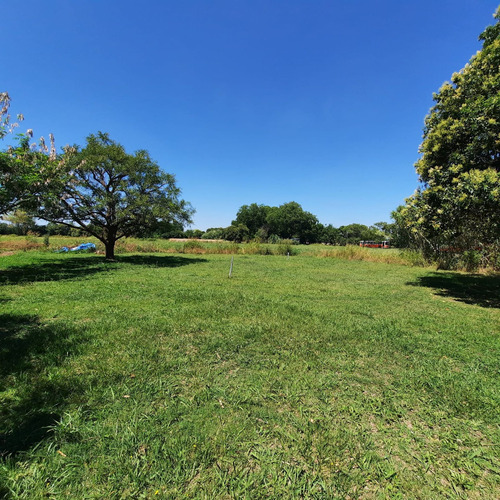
(458, 203)
(25, 169)
(352, 234)
(25, 172)
(254, 217)
(21, 222)
(286, 221)
(291, 221)
(112, 194)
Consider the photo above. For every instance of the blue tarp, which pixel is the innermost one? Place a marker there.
(83, 246)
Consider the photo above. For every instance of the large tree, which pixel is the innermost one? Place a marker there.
(254, 217)
(291, 221)
(111, 194)
(352, 234)
(458, 203)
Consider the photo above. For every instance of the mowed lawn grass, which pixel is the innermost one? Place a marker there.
(157, 376)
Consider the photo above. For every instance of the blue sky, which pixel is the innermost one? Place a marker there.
(319, 102)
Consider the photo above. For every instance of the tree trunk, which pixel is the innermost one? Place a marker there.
(110, 249)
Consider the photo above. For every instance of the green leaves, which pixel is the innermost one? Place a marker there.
(459, 201)
(24, 175)
(112, 194)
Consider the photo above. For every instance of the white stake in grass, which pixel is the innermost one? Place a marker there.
(231, 266)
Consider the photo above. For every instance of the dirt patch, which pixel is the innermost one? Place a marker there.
(6, 254)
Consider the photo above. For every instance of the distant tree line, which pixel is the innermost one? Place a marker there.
(270, 224)
(253, 223)
(289, 221)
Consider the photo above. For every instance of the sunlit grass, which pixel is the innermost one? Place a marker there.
(199, 247)
(158, 376)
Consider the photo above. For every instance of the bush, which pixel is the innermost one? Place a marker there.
(147, 247)
(216, 233)
(225, 248)
(5, 228)
(285, 248)
(31, 243)
(252, 248)
(447, 260)
(493, 257)
(350, 252)
(471, 260)
(192, 246)
(255, 248)
(413, 257)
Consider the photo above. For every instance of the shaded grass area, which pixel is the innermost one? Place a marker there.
(297, 378)
(70, 267)
(482, 290)
(26, 348)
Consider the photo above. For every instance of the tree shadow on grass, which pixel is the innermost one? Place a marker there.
(54, 269)
(73, 267)
(33, 396)
(474, 289)
(160, 260)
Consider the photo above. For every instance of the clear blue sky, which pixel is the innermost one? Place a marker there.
(319, 102)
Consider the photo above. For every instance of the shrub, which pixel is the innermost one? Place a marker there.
(125, 246)
(31, 243)
(285, 248)
(349, 252)
(216, 233)
(192, 246)
(493, 257)
(471, 260)
(224, 248)
(447, 260)
(252, 248)
(147, 247)
(413, 257)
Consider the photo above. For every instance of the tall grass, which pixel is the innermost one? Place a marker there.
(468, 261)
(392, 256)
(135, 245)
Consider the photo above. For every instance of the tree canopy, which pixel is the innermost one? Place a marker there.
(25, 167)
(111, 194)
(24, 173)
(254, 217)
(458, 203)
(290, 220)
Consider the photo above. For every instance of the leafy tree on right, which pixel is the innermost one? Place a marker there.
(458, 203)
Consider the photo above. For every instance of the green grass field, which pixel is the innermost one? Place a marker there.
(157, 376)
